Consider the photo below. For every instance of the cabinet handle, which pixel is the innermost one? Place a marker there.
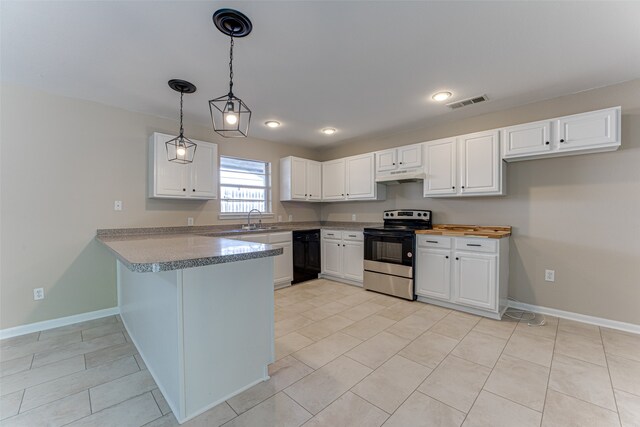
(454, 187)
(562, 140)
(347, 194)
(338, 244)
(352, 235)
(457, 258)
(184, 189)
(546, 143)
(473, 244)
(305, 195)
(393, 164)
(463, 187)
(447, 256)
(194, 189)
(432, 241)
(400, 162)
(344, 246)
(343, 194)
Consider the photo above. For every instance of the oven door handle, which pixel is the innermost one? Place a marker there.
(387, 234)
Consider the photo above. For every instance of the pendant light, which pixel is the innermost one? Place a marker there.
(180, 149)
(229, 114)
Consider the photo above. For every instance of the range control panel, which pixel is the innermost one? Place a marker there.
(412, 215)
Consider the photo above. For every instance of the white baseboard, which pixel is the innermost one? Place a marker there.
(56, 323)
(598, 321)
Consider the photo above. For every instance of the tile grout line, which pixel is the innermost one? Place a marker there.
(486, 379)
(613, 390)
(546, 392)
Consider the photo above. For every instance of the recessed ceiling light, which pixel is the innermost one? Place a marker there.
(328, 131)
(441, 96)
(272, 123)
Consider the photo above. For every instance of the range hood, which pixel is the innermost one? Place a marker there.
(398, 177)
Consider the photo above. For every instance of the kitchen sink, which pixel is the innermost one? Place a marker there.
(221, 233)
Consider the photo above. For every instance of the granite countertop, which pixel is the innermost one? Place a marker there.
(462, 230)
(164, 252)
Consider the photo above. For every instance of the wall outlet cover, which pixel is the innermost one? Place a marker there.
(353, 217)
(189, 221)
(290, 217)
(550, 275)
(38, 294)
(117, 205)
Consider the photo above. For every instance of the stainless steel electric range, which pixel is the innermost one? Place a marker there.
(389, 252)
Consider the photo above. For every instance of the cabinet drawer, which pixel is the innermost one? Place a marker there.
(356, 236)
(284, 237)
(477, 245)
(332, 234)
(431, 241)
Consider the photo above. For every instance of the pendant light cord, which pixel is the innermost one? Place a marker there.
(231, 67)
(181, 128)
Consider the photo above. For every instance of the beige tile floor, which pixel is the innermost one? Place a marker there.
(345, 357)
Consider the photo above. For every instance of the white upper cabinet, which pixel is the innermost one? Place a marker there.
(526, 140)
(360, 180)
(589, 130)
(299, 179)
(441, 166)
(480, 167)
(197, 180)
(350, 178)
(592, 132)
(333, 180)
(468, 165)
(406, 157)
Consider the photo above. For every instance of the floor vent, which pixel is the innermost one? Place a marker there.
(469, 101)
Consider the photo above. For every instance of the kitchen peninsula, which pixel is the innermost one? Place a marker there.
(200, 311)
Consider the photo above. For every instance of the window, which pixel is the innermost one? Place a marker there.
(244, 185)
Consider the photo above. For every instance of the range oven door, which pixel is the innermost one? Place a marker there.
(388, 262)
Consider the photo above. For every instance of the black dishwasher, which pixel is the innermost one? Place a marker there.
(306, 255)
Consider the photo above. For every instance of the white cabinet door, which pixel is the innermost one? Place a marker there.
(283, 264)
(170, 177)
(332, 257)
(479, 163)
(433, 277)
(475, 280)
(527, 139)
(410, 156)
(353, 260)
(589, 129)
(298, 178)
(360, 177)
(386, 160)
(204, 172)
(314, 181)
(333, 180)
(441, 167)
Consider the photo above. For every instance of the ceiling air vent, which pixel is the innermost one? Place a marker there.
(469, 101)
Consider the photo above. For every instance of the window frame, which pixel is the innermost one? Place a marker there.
(268, 199)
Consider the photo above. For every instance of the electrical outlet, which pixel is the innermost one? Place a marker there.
(189, 221)
(38, 293)
(279, 218)
(117, 205)
(290, 217)
(353, 217)
(550, 275)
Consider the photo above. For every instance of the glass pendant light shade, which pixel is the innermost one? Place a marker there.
(230, 116)
(180, 150)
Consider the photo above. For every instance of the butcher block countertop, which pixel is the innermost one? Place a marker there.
(461, 230)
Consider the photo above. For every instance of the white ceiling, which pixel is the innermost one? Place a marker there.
(362, 67)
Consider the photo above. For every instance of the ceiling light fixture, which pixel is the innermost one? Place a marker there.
(180, 149)
(328, 131)
(229, 114)
(272, 123)
(441, 96)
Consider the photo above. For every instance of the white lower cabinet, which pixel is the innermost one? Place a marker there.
(343, 255)
(466, 273)
(282, 264)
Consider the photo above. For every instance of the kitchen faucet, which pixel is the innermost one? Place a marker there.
(248, 226)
